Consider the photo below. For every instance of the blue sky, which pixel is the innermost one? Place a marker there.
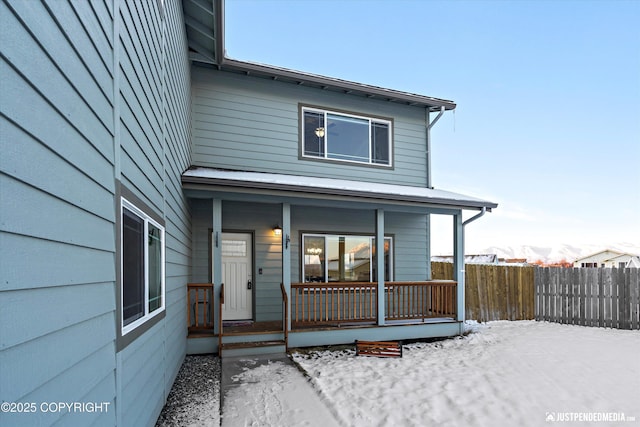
(548, 95)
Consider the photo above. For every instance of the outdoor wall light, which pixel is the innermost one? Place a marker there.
(320, 132)
(277, 230)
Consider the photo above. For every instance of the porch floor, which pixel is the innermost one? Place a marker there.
(250, 328)
(354, 325)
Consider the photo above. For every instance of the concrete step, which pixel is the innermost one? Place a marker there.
(255, 337)
(253, 348)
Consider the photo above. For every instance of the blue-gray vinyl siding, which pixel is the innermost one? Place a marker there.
(84, 107)
(248, 123)
(408, 231)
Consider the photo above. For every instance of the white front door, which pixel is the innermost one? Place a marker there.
(237, 277)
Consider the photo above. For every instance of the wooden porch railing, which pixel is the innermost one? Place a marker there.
(333, 303)
(420, 300)
(200, 307)
(285, 317)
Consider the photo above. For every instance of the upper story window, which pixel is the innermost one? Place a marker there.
(143, 287)
(346, 137)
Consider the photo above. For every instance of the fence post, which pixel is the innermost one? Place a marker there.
(586, 319)
(615, 295)
(594, 278)
(547, 293)
(634, 280)
(583, 298)
(623, 299)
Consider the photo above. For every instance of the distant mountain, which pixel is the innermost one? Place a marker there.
(557, 253)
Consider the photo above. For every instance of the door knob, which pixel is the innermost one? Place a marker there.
(249, 284)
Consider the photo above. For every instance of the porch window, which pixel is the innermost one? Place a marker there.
(336, 258)
(142, 280)
(345, 137)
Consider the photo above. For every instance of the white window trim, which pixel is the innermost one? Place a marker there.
(125, 204)
(348, 115)
(326, 264)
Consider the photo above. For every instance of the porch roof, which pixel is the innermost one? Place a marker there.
(309, 186)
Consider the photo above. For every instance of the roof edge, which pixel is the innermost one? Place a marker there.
(349, 87)
(388, 196)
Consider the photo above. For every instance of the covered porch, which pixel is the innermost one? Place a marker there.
(317, 311)
(308, 286)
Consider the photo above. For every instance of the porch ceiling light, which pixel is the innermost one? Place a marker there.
(277, 230)
(320, 132)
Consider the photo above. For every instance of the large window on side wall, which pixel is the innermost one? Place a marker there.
(343, 258)
(346, 137)
(142, 281)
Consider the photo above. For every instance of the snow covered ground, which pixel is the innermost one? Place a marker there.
(272, 393)
(502, 374)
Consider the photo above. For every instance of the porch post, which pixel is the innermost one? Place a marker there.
(286, 255)
(428, 247)
(458, 262)
(380, 264)
(216, 243)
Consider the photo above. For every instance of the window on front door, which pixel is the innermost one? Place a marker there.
(341, 258)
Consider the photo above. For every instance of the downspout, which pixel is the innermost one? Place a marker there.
(473, 218)
(437, 117)
(429, 126)
(464, 223)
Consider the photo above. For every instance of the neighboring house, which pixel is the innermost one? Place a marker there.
(621, 261)
(513, 261)
(607, 258)
(470, 259)
(634, 262)
(136, 159)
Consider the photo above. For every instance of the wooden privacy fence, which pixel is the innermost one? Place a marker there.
(494, 292)
(604, 297)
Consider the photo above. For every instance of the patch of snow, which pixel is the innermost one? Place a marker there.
(501, 374)
(274, 394)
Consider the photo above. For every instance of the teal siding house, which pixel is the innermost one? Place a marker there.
(159, 199)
